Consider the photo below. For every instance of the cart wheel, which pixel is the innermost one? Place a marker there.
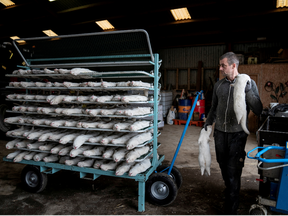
(33, 180)
(175, 174)
(4, 127)
(257, 210)
(161, 189)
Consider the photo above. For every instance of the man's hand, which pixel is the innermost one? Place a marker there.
(248, 86)
(205, 126)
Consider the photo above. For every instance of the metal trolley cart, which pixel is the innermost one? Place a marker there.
(279, 189)
(113, 56)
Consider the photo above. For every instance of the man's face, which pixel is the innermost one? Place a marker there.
(225, 68)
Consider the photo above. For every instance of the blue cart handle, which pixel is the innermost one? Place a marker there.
(265, 149)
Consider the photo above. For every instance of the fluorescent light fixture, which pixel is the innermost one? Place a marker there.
(180, 14)
(51, 0)
(18, 41)
(50, 33)
(282, 3)
(105, 24)
(7, 2)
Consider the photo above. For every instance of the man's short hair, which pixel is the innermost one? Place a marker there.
(231, 58)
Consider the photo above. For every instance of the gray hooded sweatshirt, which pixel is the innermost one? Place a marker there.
(222, 111)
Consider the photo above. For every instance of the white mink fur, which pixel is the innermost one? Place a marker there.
(35, 145)
(96, 139)
(77, 71)
(69, 137)
(20, 156)
(136, 153)
(108, 152)
(108, 84)
(86, 163)
(58, 135)
(39, 156)
(46, 135)
(63, 159)
(72, 111)
(83, 98)
(64, 71)
(50, 97)
(123, 84)
(239, 100)
(70, 98)
(34, 135)
(94, 112)
(58, 99)
(138, 139)
(90, 124)
(140, 84)
(65, 150)
(56, 149)
(29, 156)
(103, 99)
(47, 147)
(95, 151)
(57, 123)
(138, 125)
(94, 84)
(93, 98)
(70, 84)
(123, 168)
(98, 163)
(59, 110)
(13, 154)
(108, 125)
(40, 97)
(109, 166)
(116, 98)
(72, 162)
(70, 123)
(122, 125)
(22, 144)
(11, 144)
(108, 111)
(57, 84)
(140, 167)
(133, 98)
(138, 111)
(75, 152)
(12, 119)
(204, 156)
(51, 158)
(123, 139)
(119, 154)
(108, 139)
(80, 140)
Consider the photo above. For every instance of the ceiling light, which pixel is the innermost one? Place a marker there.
(51, 0)
(18, 41)
(282, 3)
(105, 24)
(180, 14)
(50, 33)
(7, 2)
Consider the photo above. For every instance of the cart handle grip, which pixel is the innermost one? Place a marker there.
(265, 149)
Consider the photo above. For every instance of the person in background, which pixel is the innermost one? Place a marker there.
(230, 139)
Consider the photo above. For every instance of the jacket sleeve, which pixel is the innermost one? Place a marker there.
(253, 99)
(212, 113)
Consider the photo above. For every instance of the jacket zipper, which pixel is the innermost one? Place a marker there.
(227, 108)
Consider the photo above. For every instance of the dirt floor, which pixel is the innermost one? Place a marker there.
(67, 194)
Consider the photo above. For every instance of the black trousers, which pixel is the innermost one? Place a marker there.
(230, 154)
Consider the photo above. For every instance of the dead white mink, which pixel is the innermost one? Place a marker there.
(123, 168)
(40, 84)
(140, 167)
(108, 139)
(35, 145)
(16, 108)
(47, 147)
(95, 151)
(69, 137)
(20, 156)
(119, 154)
(13, 154)
(109, 166)
(63, 159)
(138, 111)
(108, 125)
(70, 84)
(123, 139)
(79, 141)
(108, 111)
(94, 84)
(40, 97)
(22, 144)
(138, 139)
(136, 153)
(58, 99)
(70, 123)
(11, 144)
(56, 137)
(96, 139)
(86, 163)
(123, 84)
(98, 163)
(116, 98)
(39, 156)
(36, 134)
(59, 110)
(83, 98)
(65, 150)
(50, 97)
(108, 84)
(58, 84)
(47, 71)
(57, 123)
(133, 98)
(70, 98)
(77, 71)
(12, 119)
(93, 98)
(30, 156)
(27, 84)
(56, 149)
(103, 99)
(94, 112)
(47, 110)
(90, 124)
(32, 109)
(140, 84)
(108, 152)
(72, 162)
(51, 158)
(64, 71)
(46, 135)
(138, 125)
(122, 125)
(75, 152)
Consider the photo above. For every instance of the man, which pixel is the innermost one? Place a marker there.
(230, 139)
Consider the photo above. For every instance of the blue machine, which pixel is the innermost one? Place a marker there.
(277, 201)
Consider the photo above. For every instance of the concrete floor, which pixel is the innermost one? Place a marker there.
(67, 194)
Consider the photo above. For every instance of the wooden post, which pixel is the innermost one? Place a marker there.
(198, 77)
(177, 77)
(188, 79)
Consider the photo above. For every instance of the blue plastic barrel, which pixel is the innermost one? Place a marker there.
(184, 107)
